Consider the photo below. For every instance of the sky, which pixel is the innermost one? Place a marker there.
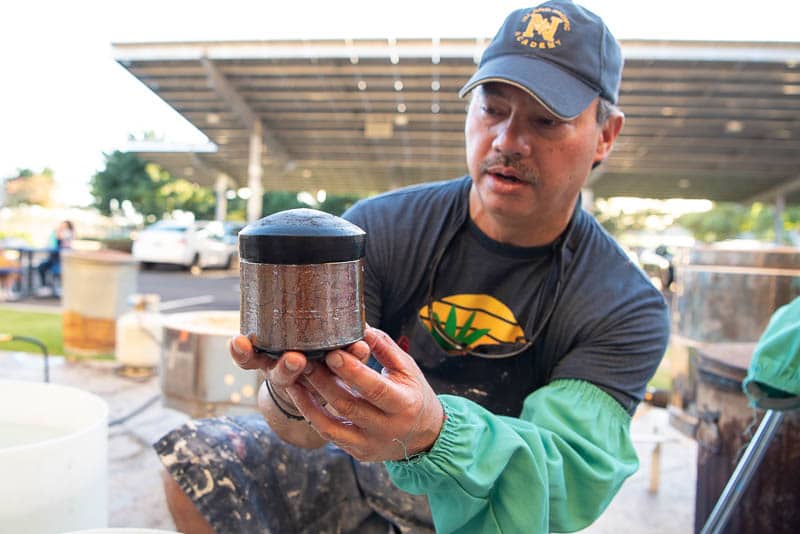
(64, 101)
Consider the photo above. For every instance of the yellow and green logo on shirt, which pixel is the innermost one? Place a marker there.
(471, 320)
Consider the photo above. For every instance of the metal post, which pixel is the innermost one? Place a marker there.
(220, 190)
(254, 172)
(736, 486)
(780, 204)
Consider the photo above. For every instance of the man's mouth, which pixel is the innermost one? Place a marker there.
(507, 178)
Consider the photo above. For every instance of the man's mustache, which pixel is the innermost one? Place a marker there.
(523, 171)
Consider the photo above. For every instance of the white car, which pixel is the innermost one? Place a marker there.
(198, 244)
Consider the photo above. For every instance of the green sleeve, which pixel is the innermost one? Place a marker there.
(555, 468)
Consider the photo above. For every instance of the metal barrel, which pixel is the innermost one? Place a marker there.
(728, 295)
(724, 295)
(310, 308)
(771, 500)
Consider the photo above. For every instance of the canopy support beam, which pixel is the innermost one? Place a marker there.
(254, 173)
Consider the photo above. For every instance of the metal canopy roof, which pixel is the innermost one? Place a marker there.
(716, 120)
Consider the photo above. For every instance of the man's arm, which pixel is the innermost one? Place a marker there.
(555, 468)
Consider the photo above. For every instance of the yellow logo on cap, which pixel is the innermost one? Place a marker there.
(541, 26)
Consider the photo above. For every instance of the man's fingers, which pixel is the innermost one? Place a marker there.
(245, 357)
(373, 387)
(334, 428)
(386, 350)
(354, 395)
(360, 349)
(288, 369)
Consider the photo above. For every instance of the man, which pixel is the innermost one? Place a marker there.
(518, 336)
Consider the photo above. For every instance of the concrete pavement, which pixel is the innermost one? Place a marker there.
(135, 493)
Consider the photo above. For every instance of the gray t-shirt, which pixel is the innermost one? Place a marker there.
(587, 310)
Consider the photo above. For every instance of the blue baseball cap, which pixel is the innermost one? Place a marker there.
(560, 53)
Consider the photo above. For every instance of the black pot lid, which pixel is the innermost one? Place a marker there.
(300, 237)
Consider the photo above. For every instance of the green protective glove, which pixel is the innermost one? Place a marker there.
(773, 377)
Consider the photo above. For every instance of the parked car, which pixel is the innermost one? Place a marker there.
(198, 244)
(231, 231)
(231, 236)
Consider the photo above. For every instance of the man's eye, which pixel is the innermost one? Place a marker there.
(489, 110)
(549, 123)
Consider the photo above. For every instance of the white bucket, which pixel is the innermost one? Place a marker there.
(53, 458)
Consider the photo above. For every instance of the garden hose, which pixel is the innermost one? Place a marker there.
(33, 341)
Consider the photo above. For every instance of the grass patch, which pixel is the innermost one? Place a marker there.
(46, 327)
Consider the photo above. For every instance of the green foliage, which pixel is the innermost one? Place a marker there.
(125, 177)
(184, 195)
(724, 221)
(728, 221)
(338, 204)
(150, 189)
(275, 201)
(616, 223)
(153, 191)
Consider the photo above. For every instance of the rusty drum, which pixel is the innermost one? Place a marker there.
(725, 295)
(729, 294)
(771, 502)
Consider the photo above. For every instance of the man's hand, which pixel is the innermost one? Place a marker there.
(283, 372)
(378, 416)
(273, 402)
(280, 373)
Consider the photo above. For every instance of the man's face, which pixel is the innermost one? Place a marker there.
(527, 166)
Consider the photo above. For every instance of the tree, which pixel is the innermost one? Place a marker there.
(338, 204)
(275, 201)
(728, 221)
(29, 188)
(180, 194)
(126, 177)
(150, 189)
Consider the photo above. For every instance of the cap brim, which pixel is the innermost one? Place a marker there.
(564, 95)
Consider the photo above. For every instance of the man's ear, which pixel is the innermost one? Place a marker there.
(608, 135)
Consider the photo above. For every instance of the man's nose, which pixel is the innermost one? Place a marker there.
(512, 138)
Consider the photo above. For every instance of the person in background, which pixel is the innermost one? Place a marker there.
(9, 274)
(59, 240)
(513, 338)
